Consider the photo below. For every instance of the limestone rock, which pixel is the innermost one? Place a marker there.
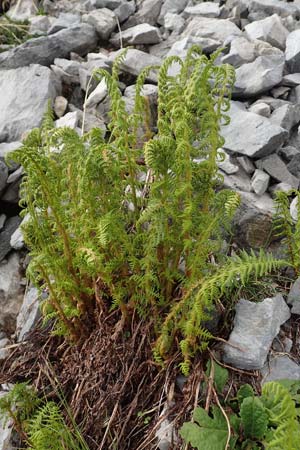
(10, 227)
(43, 50)
(292, 52)
(11, 292)
(260, 182)
(28, 314)
(280, 367)
(255, 327)
(207, 9)
(270, 30)
(103, 20)
(251, 135)
(136, 60)
(139, 34)
(275, 167)
(25, 94)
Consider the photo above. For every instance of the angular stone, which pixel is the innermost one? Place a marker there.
(97, 95)
(238, 181)
(110, 4)
(2, 221)
(207, 9)
(28, 314)
(69, 120)
(276, 168)
(136, 60)
(64, 20)
(292, 79)
(43, 50)
(11, 293)
(103, 20)
(280, 367)
(294, 209)
(259, 76)
(3, 175)
(250, 134)
(287, 153)
(25, 95)
(246, 164)
(22, 10)
(9, 228)
(286, 116)
(262, 109)
(11, 194)
(148, 12)
(173, 6)
(294, 297)
(270, 30)
(292, 52)
(174, 22)
(226, 165)
(253, 221)
(279, 187)
(255, 327)
(241, 51)
(39, 25)
(214, 30)
(280, 92)
(138, 35)
(260, 182)
(265, 8)
(125, 10)
(294, 165)
(15, 175)
(4, 342)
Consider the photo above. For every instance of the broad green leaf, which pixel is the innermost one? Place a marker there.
(220, 376)
(210, 433)
(254, 417)
(244, 392)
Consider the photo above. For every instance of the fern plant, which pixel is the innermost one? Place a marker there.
(271, 421)
(132, 221)
(288, 229)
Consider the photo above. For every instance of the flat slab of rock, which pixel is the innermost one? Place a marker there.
(80, 39)
(24, 97)
(206, 9)
(138, 35)
(280, 368)
(250, 134)
(255, 327)
(270, 30)
(136, 60)
(276, 168)
(29, 313)
(292, 52)
(259, 76)
(11, 293)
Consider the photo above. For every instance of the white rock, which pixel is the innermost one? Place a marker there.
(70, 119)
(294, 209)
(207, 9)
(255, 327)
(139, 34)
(226, 165)
(29, 313)
(270, 30)
(60, 105)
(262, 109)
(97, 95)
(6, 427)
(292, 52)
(260, 182)
(174, 22)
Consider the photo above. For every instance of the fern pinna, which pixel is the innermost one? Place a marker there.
(131, 221)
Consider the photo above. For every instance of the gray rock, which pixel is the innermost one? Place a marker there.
(69, 120)
(6, 148)
(3, 175)
(11, 293)
(279, 187)
(64, 20)
(281, 92)
(226, 165)
(213, 31)
(253, 221)
(9, 228)
(259, 76)
(6, 428)
(39, 25)
(165, 433)
(103, 20)
(246, 164)
(2, 221)
(4, 342)
(287, 153)
(291, 80)
(136, 60)
(23, 9)
(29, 313)
(276, 168)
(294, 165)
(15, 175)
(294, 209)
(241, 51)
(137, 35)
(260, 182)
(148, 12)
(125, 10)
(280, 367)
(43, 50)
(60, 106)
(110, 4)
(67, 70)
(292, 52)
(207, 9)
(25, 95)
(287, 116)
(173, 6)
(294, 297)
(239, 181)
(97, 95)
(265, 8)
(270, 30)
(174, 22)
(262, 109)
(11, 194)
(255, 327)
(259, 138)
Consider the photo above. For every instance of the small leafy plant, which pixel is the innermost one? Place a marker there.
(269, 421)
(135, 221)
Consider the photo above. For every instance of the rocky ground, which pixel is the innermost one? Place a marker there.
(260, 38)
